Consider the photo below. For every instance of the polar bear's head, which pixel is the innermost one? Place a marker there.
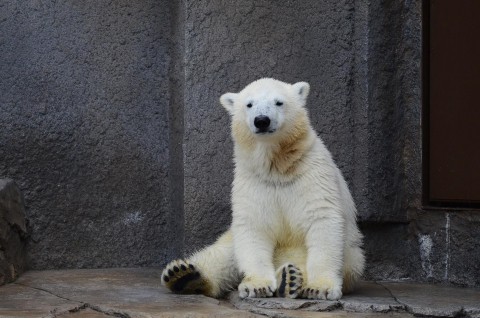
(264, 107)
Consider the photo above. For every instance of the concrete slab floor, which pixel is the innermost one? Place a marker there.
(128, 293)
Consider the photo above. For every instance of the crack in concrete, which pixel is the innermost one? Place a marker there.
(56, 313)
(46, 291)
(84, 305)
(108, 311)
(405, 306)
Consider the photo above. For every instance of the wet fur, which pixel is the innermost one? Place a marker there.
(315, 229)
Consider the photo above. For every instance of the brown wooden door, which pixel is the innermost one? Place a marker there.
(452, 107)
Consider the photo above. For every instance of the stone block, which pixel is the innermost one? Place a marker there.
(391, 252)
(448, 243)
(12, 232)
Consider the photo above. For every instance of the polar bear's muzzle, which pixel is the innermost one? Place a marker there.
(262, 123)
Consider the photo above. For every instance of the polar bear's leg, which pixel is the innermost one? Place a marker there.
(325, 248)
(211, 271)
(290, 281)
(253, 253)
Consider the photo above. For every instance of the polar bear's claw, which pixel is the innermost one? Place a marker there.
(182, 277)
(325, 292)
(254, 288)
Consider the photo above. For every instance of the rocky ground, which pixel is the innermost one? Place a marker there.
(99, 293)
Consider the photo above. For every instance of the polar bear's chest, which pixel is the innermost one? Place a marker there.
(277, 209)
(289, 234)
(284, 213)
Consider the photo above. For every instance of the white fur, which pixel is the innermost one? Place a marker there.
(304, 217)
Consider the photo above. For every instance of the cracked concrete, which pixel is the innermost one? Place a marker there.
(85, 313)
(129, 293)
(378, 299)
(101, 293)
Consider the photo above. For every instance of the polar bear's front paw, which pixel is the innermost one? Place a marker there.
(290, 280)
(256, 288)
(182, 277)
(324, 288)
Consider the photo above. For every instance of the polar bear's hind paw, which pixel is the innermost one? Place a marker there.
(290, 280)
(182, 277)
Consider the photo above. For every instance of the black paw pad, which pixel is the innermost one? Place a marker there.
(183, 278)
(182, 282)
(291, 279)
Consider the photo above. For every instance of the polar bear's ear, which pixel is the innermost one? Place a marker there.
(227, 100)
(302, 89)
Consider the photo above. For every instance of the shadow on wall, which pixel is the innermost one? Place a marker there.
(13, 232)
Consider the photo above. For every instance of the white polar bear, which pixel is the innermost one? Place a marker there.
(294, 232)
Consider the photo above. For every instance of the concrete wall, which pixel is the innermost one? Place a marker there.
(85, 109)
(113, 129)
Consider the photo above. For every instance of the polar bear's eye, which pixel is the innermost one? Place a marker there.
(279, 103)
(249, 105)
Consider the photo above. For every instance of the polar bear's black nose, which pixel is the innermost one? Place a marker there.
(261, 122)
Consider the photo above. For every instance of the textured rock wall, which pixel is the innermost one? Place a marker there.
(85, 129)
(394, 109)
(12, 232)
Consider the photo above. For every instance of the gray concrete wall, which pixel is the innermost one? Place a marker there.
(85, 109)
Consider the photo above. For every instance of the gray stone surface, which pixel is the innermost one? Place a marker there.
(369, 297)
(98, 293)
(436, 300)
(22, 301)
(85, 129)
(383, 298)
(136, 293)
(13, 232)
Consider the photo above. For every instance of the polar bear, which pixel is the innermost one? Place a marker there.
(294, 232)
